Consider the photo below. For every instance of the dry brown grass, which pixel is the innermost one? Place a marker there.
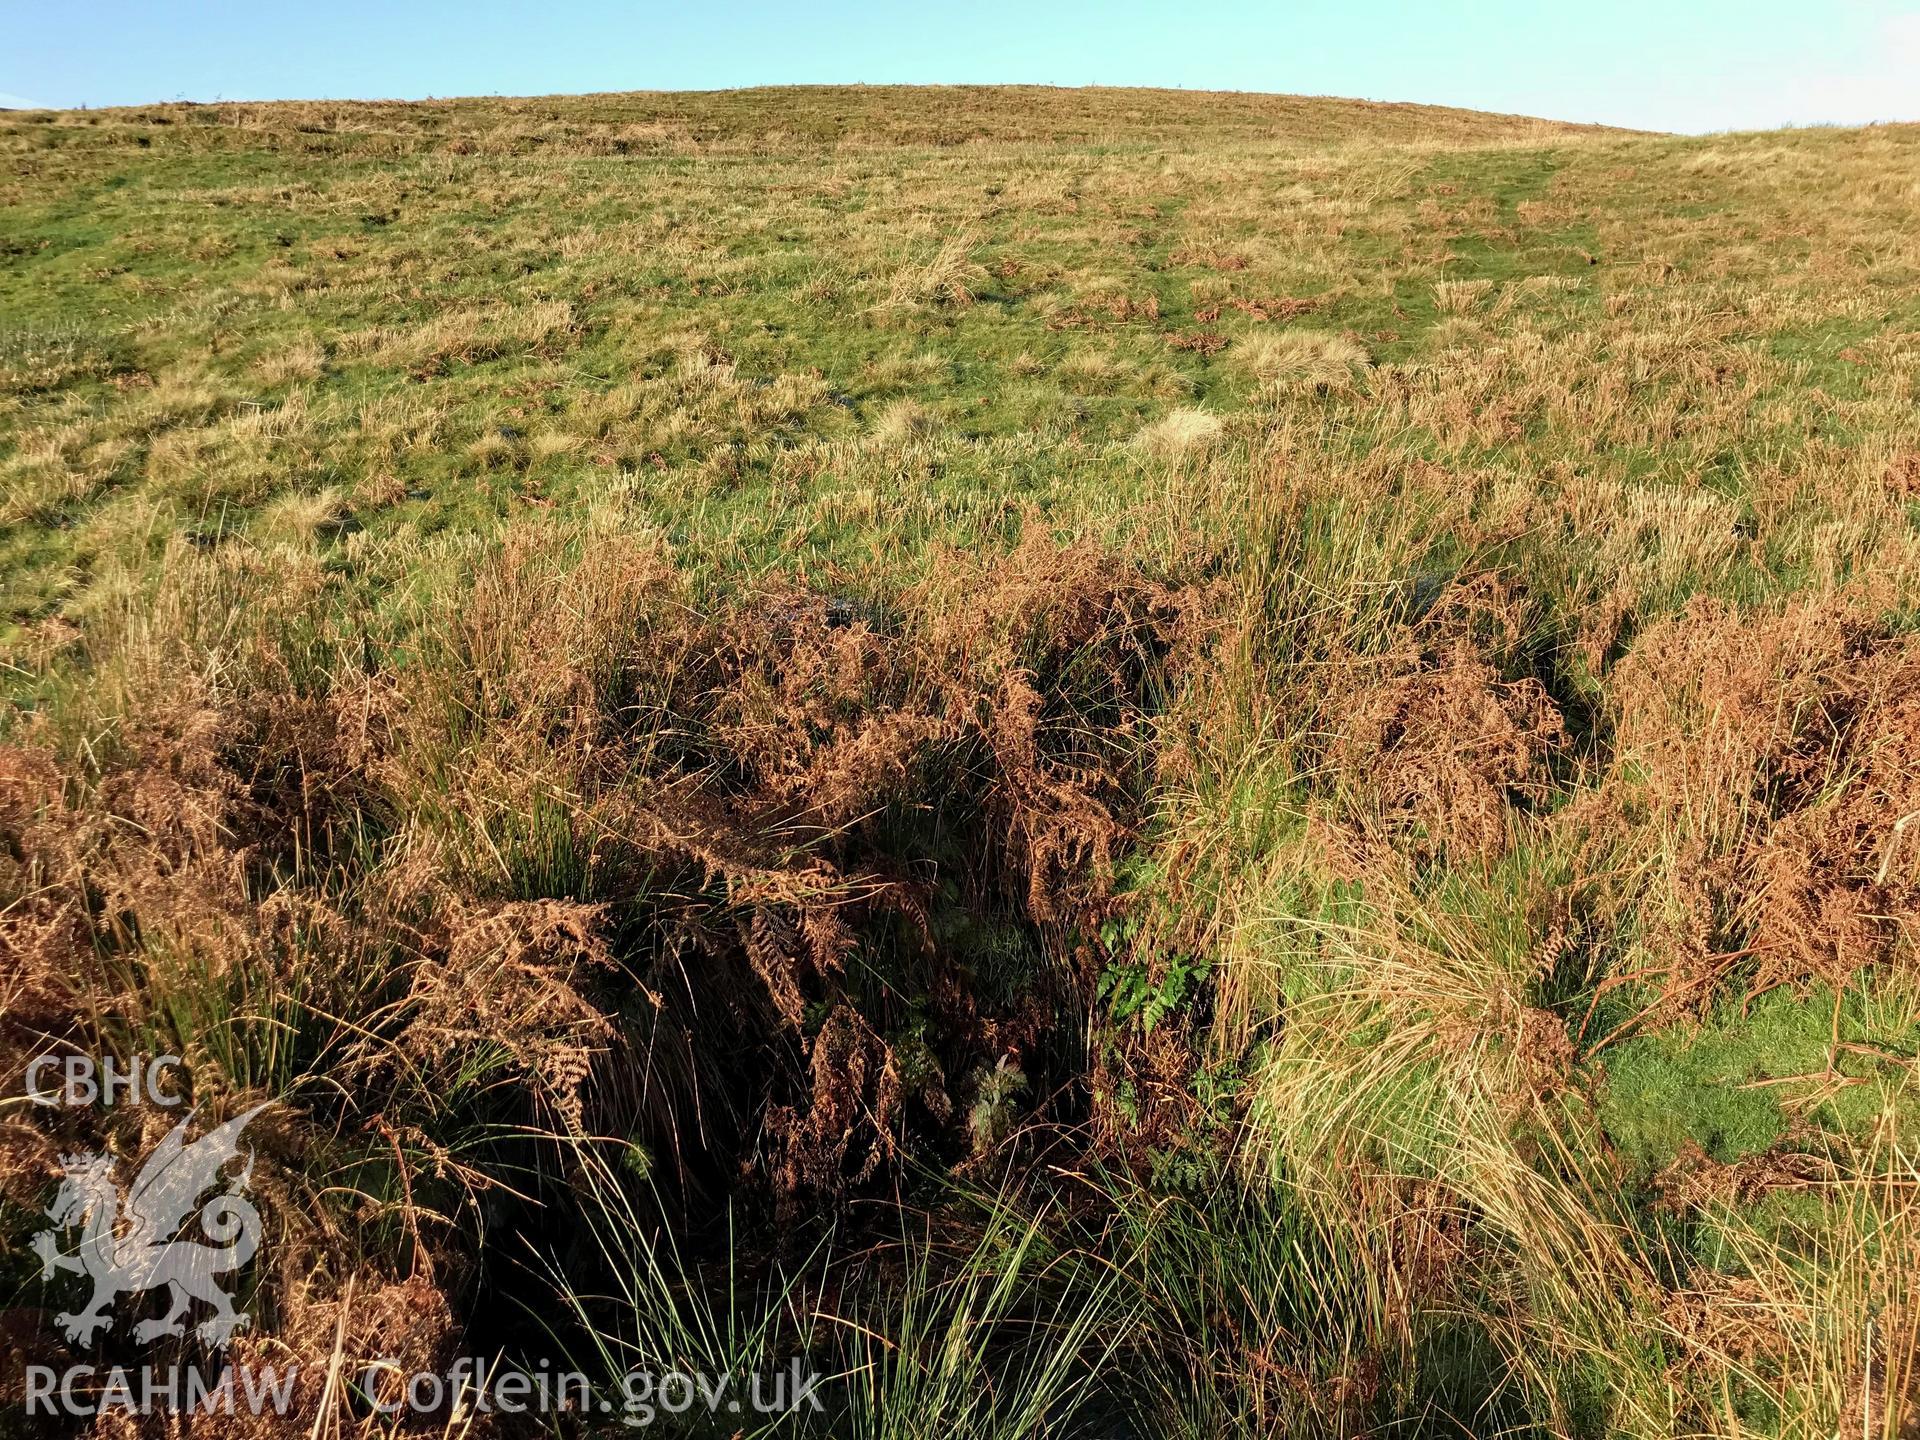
(743, 820)
(1777, 763)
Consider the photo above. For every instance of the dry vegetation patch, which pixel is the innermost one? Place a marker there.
(1778, 760)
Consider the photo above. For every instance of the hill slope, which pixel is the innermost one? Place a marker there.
(1289, 721)
(799, 115)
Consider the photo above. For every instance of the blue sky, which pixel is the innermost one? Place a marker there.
(1687, 65)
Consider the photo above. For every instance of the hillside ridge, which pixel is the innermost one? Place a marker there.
(895, 114)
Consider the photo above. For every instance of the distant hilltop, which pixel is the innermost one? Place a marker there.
(854, 114)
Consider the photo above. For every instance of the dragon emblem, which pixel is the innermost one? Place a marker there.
(130, 1243)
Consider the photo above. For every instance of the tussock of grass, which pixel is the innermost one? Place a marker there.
(1301, 359)
(1179, 432)
(949, 277)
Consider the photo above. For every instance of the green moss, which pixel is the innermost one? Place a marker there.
(1714, 1085)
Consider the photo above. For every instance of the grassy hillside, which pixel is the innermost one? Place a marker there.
(1122, 763)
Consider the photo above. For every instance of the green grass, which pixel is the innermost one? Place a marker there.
(1752, 1077)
